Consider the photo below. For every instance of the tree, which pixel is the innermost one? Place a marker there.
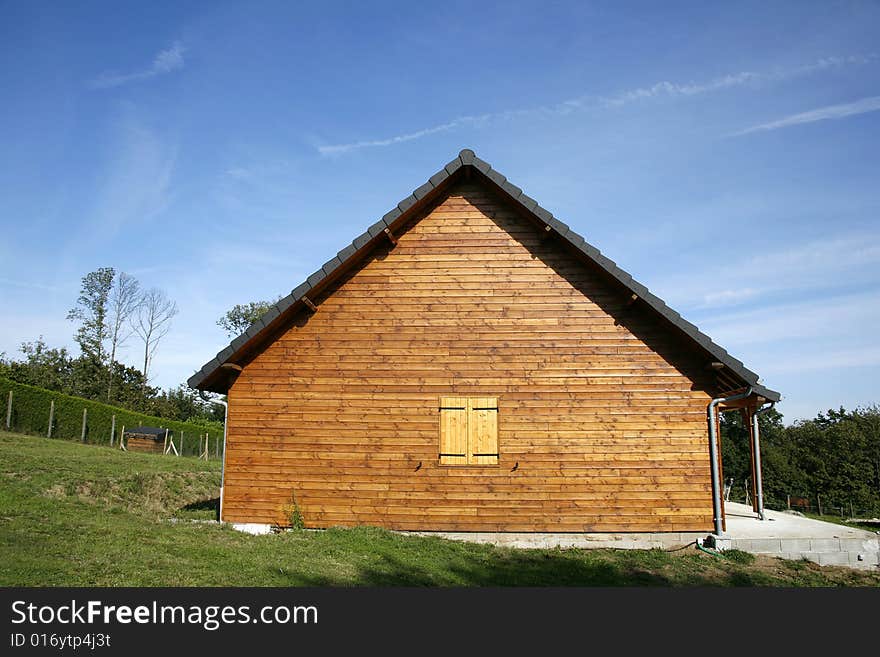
(91, 312)
(152, 323)
(184, 404)
(237, 320)
(42, 367)
(125, 297)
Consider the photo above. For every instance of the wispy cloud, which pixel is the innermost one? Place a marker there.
(166, 61)
(31, 285)
(811, 265)
(728, 297)
(866, 356)
(846, 319)
(584, 102)
(740, 79)
(418, 134)
(830, 112)
(137, 184)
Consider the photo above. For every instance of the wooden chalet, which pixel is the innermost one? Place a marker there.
(470, 363)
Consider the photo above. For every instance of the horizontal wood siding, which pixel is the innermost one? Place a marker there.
(134, 444)
(601, 410)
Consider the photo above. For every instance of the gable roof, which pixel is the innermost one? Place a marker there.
(216, 375)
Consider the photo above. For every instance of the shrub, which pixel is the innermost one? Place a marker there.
(30, 414)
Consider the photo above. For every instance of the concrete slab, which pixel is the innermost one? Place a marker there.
(742, 522)
(789, 536)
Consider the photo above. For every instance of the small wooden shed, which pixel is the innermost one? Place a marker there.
(145, 439)
(470, 363)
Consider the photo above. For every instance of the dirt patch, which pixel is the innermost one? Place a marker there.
(156, 494)
(57, 492)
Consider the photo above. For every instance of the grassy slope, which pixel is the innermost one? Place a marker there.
(73, 514)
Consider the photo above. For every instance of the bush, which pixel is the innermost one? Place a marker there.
(30, 414)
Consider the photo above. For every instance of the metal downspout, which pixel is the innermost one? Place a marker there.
(713, 457)
(759, 477)
(223, 463)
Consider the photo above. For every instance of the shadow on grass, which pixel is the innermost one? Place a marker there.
(201, 508)
(436, 565)
(537, 571)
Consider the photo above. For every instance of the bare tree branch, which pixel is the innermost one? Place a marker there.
(152, 323)
(125, 298)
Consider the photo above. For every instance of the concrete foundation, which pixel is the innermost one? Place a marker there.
(627, 541)
(255, 528)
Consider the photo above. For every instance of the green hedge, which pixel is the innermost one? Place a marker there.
(30, 414)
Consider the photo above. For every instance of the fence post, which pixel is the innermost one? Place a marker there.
(217, 448)
(112, 429)
(181, 442)
(819, 500)
(9, 412)
(165, 449)
(122, 438)
(51, 417)
(82, 436)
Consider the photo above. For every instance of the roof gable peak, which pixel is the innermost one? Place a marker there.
(215, 377)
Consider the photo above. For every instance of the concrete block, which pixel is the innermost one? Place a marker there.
(721, 543)
(795, 544)
(761, 545)
(866, 560)
(859, 545)
(833, 558)
(255, 528)
(824, 545)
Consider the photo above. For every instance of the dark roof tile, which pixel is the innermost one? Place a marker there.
(528, 202)
(317, 277)
(496, 177)
(391, 215)
(331, 265)
(346, 253)
(511, 189)
(407, 203)
(271, 314)
(297, 292)
(361, 241)
(423, 191)
(543, 215)
(438, 177)
(377, 228)
(481, 165)
(453, 166)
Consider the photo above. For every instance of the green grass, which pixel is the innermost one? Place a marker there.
(837, 520)
(75, 515)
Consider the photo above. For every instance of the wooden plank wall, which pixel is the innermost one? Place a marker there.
(140, 444)
(599, 429)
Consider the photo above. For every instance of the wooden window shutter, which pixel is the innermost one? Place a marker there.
(453, 430)
(483, 430)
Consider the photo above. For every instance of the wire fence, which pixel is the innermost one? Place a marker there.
(37, 411)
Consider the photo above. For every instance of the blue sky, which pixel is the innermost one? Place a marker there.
(725, 156)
